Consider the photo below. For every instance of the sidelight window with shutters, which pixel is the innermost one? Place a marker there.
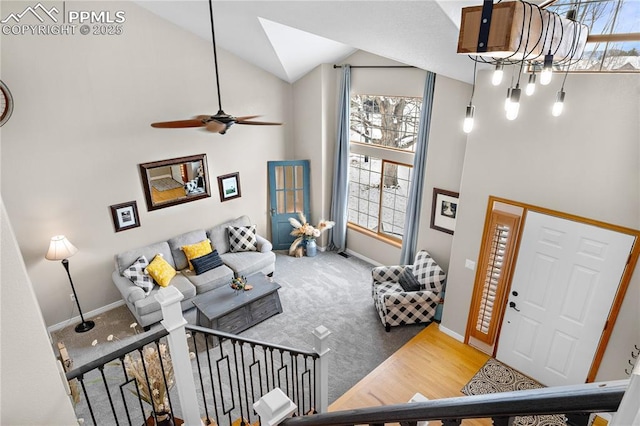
(492, 281)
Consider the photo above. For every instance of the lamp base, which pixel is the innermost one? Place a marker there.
(85, 326)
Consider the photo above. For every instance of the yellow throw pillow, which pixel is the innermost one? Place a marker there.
(194, 251)
(160, 271)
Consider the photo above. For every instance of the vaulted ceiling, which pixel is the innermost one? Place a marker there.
(290, 38)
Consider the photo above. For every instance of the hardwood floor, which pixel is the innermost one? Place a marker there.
(169, 195)
(431, 363)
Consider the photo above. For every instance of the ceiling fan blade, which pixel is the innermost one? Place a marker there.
(259, 123)
(246, 117)
(216, 126)
(178, 124)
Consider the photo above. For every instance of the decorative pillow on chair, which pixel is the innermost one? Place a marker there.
(136, 274)
(408, 281)
(207, 262)
(161, 271)
(242, 238)
(196, 250)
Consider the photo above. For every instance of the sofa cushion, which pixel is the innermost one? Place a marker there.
(187, 238)
(135, 272)
(211, 279)
(196, 250)
(219, 235)
(125, 259)
(161, 272)
(242, 238)
(248, 263)
(149, 304)
(207, 262)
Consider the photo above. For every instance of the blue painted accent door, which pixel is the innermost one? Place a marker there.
(288, 195)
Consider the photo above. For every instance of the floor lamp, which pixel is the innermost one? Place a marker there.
(61, 248)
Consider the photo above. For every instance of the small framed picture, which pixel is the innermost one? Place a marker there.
(125, 216)
(444, 210)
(229, 186)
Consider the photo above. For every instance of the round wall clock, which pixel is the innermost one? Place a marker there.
(6, 103)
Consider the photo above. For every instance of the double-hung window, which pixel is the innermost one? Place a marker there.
(383, 134)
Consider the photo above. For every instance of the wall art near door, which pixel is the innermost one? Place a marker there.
(125, 216)
(229, 186)
(444, 210)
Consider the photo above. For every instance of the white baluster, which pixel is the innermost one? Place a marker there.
(629, 410)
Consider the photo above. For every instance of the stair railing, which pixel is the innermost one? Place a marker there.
(576, 402)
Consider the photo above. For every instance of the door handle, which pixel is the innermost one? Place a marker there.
(272, 211)
(513, 305)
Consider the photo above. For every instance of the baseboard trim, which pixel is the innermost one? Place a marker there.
(365, 258)
(87, 315)
(451, 333)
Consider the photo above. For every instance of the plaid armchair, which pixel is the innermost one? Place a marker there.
(396, 306)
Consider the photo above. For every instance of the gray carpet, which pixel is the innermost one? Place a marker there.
(327, 290)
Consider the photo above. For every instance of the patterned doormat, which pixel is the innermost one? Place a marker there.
(494, 377)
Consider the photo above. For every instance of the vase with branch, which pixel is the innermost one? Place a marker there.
(153, 372)
(306, 233)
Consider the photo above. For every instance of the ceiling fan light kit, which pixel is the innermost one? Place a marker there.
(221, 121)
(519, 33)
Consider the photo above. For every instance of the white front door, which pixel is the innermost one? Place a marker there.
(564, 283)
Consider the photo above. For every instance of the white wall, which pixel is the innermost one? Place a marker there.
(586, 162)
(314, 97)
(81, 126)
(33, 395)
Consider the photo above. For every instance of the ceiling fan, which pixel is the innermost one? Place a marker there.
(221, 121)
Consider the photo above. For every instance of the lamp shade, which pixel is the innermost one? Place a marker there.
(60, 248)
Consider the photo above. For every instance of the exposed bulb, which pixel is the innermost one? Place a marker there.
(496, 79)
(514, 104)
(531, 85)
(547, 70)
(507, 100)
(467, 126)
(558, 106)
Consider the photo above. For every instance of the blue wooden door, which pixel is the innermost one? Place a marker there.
(288, 195)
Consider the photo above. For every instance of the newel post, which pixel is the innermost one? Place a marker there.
(321, 346)
(174, 322)
(629, 410)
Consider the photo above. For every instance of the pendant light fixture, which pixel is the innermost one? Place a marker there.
(467, 126)
(496, 79)
(531, 35)
(531, 85)
(547, 69)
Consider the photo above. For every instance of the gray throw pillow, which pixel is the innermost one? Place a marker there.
(408, 281)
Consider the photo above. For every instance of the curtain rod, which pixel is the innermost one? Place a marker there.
(376, 66)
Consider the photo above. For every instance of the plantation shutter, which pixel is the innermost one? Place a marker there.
(491, 286)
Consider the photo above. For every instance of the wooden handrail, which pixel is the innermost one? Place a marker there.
(587, 398)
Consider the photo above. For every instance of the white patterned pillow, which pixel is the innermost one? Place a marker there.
(138, 276)
(242, 238)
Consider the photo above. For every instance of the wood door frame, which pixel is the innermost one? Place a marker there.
(622, 287)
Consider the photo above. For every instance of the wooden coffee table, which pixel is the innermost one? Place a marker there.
(229, 311)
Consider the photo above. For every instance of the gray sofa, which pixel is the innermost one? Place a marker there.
(146, 308)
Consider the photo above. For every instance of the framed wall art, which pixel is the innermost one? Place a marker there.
(125, 216)
(444, 210)
(229, 186)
